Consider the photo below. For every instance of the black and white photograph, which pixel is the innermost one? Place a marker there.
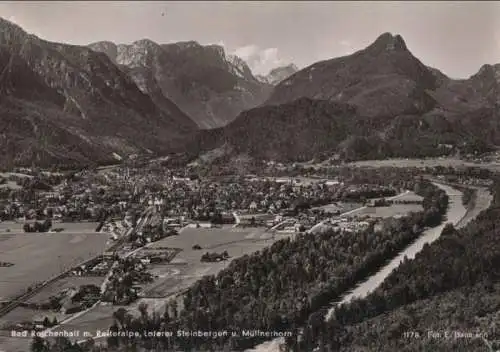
(249, 176)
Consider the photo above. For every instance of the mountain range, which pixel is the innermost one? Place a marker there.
(68, 104)
(208, 85)
(375, 103)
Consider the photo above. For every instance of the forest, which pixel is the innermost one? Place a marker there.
(278, 288)
(458, 274)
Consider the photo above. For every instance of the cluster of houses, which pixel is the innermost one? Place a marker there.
(68, 201)
(98, 267)
(214, 257)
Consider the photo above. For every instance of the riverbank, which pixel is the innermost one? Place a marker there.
(481, 201)
(456, 213)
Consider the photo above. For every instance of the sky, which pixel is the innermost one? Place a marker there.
(455, 37)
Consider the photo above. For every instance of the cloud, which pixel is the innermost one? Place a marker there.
(260, 60)
(219, 43)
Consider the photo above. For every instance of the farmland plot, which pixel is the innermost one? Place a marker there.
(390, 211)
(187, 267)
(39, 256)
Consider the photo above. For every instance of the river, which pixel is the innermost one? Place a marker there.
(456, 211)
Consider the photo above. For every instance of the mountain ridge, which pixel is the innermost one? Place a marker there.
(402, 109)
(202, 80)
(93, 101)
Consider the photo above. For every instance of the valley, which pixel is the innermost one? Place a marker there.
(229, 177)
(251, 216)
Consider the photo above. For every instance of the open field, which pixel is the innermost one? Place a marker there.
(24, 314)
(186, 267)
(98, 318)
(68, 227)
(39, 256)
(14, 344)
(18, 315)
(11, 226)
(410, 197)
(387, 212)
(431, 162)
(340, 206)
(76, 227)
(211, 238)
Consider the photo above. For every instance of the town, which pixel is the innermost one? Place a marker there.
(133, 237)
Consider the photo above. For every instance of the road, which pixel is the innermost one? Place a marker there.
(284, 222)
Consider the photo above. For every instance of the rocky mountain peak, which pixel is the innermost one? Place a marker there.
(219, 49)
(7, 25)
(239, 67)
(145, 44)
(69, 103)
(489, 71)
(138, 53)
(186, 45)
(388, 42)
(206, 83)
(384, 79)
(106, 47)
(11, 34)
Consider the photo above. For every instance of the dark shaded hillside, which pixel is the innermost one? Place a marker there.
(431, 324)
(297, 131)
(384, 79)
(462, 266)
(34, 128)
(481, 90)
(305, 129)
(398, 108)
(42, 135)
(80, 95)
(17, 80)
(148, 85)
